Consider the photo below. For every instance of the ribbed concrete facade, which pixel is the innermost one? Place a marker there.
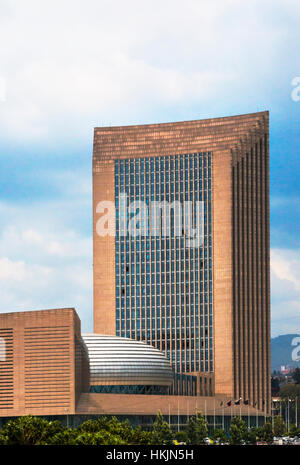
(224, 332)
(123, 404)
(251, 275)
(44, 365)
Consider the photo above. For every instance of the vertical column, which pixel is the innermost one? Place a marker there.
(222, 272)
(202, 275)
(235, 272)
(267, 263)
(240, 334)
(249, 276)
(103, 253)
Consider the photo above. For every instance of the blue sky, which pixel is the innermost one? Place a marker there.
(67, 66)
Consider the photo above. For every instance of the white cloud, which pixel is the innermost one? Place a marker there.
(285, 288)
(70, 65)
(18, 271)
(46, 246)
(26, 286)
(286, 266)
(33, 243)
(44, 263)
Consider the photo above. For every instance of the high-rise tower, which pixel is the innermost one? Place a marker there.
(206, 305)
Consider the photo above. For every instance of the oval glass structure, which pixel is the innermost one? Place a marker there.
(119, 361)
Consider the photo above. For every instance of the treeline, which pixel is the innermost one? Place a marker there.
(110, 431)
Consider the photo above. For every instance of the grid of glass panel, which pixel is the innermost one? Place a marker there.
(164, 288)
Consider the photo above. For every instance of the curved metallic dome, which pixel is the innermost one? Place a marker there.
(119, 361)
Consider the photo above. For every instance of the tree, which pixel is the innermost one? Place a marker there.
(182, 436)
(29, 430)
(279, 426)
(114, 427)
(90, 426)
(123, 429)
(237, 431)
(251, 436)
(98, 439)
(290, 394)
(296, 375)
(265, 433)
(219, 436)
(141, 437)
(290, 391)
(161, 433)
(63, 438)
(197, 429)
(3, 439)
(275, 386)
(294, 431)
(36, 431)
